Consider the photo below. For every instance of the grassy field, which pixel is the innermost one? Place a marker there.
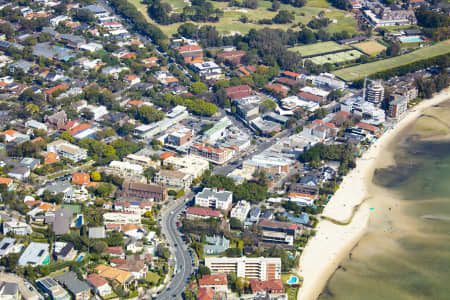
(230, 24)
(152, 277)
(370, 47)
(337, 57)
(362, 71)
(319, 48)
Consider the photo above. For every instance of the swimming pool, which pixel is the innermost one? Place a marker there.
(292, 280)
(411, 39)
(80, 258)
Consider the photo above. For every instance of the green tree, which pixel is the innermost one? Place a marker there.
(66, 136)
(198, 88)
(95, 176)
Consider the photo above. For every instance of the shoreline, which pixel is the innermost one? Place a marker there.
(324, 252)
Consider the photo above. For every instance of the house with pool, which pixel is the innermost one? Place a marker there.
(36, 254)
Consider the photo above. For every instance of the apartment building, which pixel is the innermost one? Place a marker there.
(240, 210)
(215, 155)
(261, 268)
(278, 232)
(214, 199)
(173, 178)
(17, 227)
(67, 150)
(189, 164)
(398, 106)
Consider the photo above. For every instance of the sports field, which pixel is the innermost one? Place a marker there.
(361, 71)
(230, 23)
(337, 57)
(319, 48)
(370, 47)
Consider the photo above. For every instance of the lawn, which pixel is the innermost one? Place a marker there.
(230, 24)
(365, 70)
(291, 291)
(337, 57)
(370, 47)
(152, 277)
(319, 48)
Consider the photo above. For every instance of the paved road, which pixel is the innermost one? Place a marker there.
(27, 290)
(183, 261)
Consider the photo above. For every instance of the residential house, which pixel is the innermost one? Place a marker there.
(52, 288)
(80, 290)
(16, 227)
(6, 246)
(60, 220)
(66, 253)
(99, 284)
(36, 254)
(81, 178)
(270, 287)
(232, 57)
(191, 53)
(118, 276)
(217, 282)
(208, 70)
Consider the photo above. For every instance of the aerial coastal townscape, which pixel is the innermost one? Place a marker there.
(203, 149)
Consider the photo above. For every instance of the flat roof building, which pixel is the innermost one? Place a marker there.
(261, 268)
(35, 254)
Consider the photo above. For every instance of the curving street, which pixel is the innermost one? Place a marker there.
(182, 261)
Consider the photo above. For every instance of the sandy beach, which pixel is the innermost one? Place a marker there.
(333, 242)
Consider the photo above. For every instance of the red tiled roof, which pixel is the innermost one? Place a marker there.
(218, 279)
(208, 149)
(79, 128)
(237, 89)
(189, 48)
(287, 81)
(231, 54)
(277, 224)
(278, 88)
(270, 287)
(96, 280)
(81, 178)
(205, 294)
(203, 211)
(114, 250)
(52, 90)
(367, 127)
(291, 74)
(311, 97)
(240, 95)
(131, 77)
(128, 55)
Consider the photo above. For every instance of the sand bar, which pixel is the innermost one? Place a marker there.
(332, 243)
